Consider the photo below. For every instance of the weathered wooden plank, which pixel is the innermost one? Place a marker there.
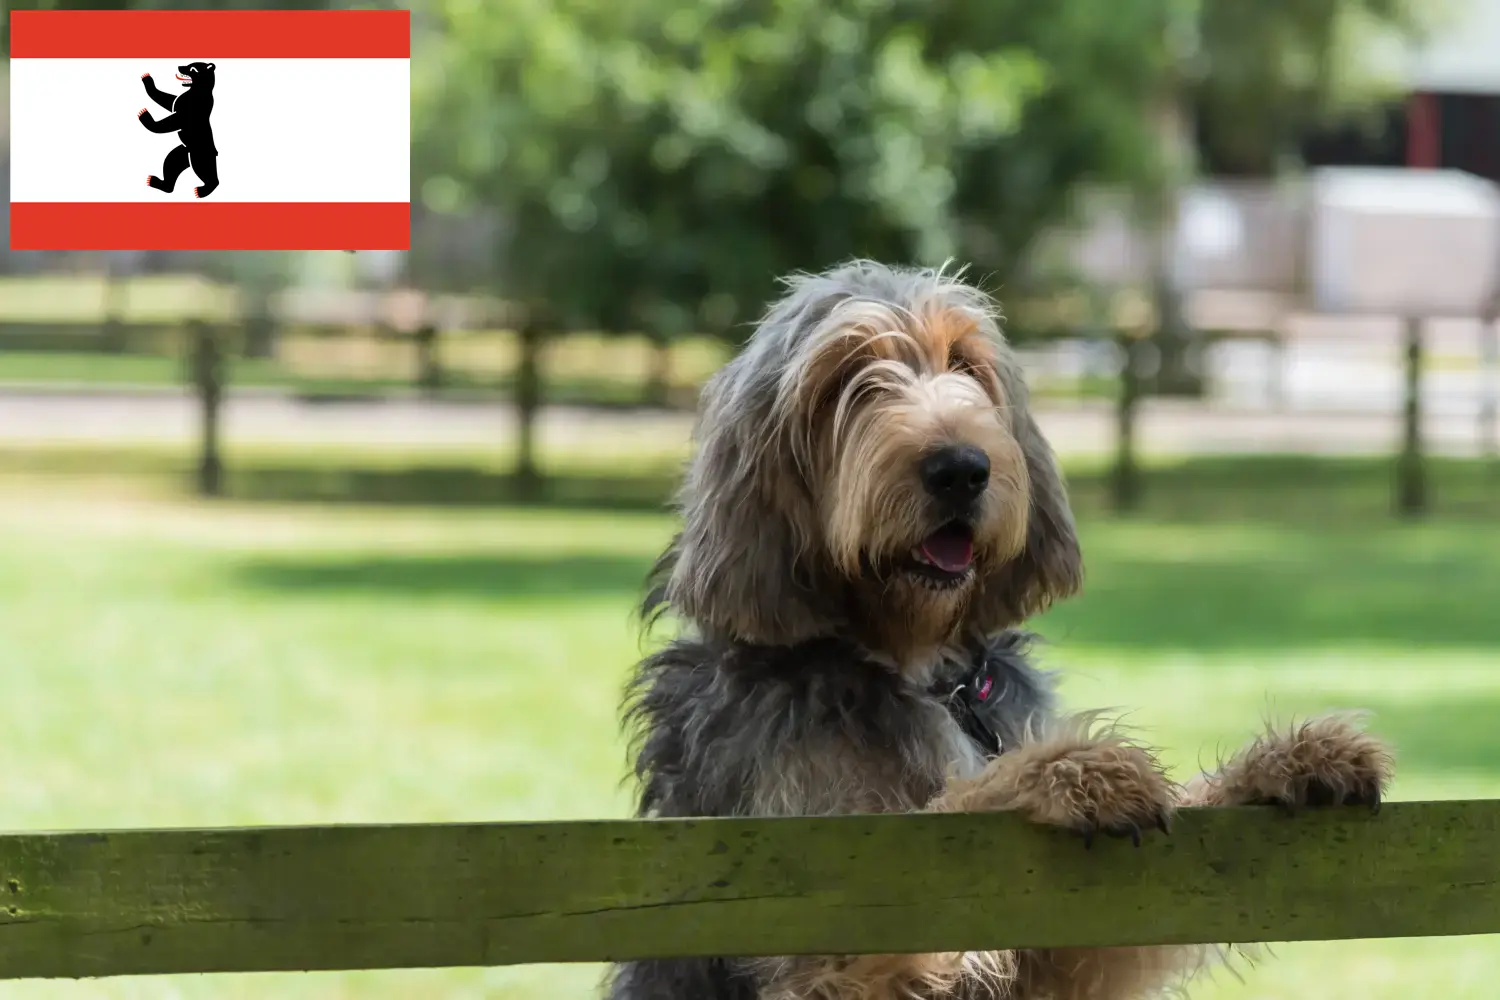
(104, 904)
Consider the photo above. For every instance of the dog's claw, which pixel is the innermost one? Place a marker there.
(1364, 797)
(1131, 830)
(1317, 795)
(1285, 806)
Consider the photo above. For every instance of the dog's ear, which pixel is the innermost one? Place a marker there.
(734, 568)
(1050, 565)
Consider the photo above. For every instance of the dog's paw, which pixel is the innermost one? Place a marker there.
(1090, 785)
(1109, 786)
(1325, 762)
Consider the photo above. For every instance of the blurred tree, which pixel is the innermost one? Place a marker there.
(658, 164)
(1265, 71)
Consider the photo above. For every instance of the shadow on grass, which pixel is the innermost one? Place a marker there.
(1272, 490)
(452, 485)
(1319, 592)
(498, 577)
(1242, 553)
(1276, 489)
(341, 477)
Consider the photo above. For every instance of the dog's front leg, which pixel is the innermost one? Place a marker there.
(1092, 783)
(1324, 762)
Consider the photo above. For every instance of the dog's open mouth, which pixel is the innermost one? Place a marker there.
(946, 556)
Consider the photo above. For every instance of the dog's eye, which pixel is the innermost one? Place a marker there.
(979, 371)
(960, 364)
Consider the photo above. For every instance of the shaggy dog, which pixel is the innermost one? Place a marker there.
(870, 513)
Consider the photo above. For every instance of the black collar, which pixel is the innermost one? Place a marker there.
(966, 702)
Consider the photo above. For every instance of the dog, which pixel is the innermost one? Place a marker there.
(869, 516)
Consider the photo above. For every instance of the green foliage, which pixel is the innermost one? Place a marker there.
(1267, 70)
(658, 164)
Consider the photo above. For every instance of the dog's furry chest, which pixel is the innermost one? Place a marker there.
(736, 729)
(844, 768)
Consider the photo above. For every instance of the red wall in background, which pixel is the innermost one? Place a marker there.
(1454, 131)
(1424, 138)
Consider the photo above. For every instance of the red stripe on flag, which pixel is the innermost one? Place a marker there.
(224, 225)
(210, 34)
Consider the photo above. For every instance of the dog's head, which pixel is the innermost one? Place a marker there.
(867, 466)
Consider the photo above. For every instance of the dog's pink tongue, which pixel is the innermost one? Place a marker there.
(950, 551)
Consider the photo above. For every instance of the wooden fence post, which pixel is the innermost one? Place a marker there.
(260, 329)
(528, 406)
(1489, 404)
(116, 291)
(429, 365)
(1125, 480)
(1411, 472)
(208, 380)
(658, 388)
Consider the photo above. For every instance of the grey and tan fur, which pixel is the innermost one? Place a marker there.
(875, 413)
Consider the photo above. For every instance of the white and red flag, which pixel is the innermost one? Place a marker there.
(210, 130)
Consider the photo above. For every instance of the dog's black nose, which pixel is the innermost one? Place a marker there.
(955, 473)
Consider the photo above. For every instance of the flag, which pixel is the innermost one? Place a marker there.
(210, 130)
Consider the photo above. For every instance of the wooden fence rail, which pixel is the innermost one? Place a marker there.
(368, 897)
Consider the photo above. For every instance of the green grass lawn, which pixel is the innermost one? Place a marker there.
(107, 370)
(85, 297)
(571, 378)
(168, 662)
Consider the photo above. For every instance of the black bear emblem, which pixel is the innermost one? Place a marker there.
(189, 119)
